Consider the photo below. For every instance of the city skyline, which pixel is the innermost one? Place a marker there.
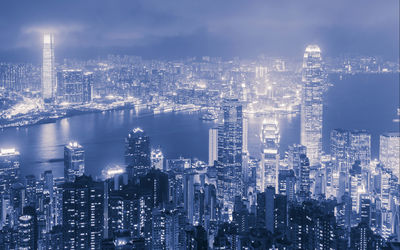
(147, 125)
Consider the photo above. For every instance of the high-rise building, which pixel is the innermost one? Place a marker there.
(74, 161)
(389, 152)
(311, 103)
(26, 232)
(349, 146)
(9, 169)
(230, 149)
(83, 213)
(137, 153)
(49, 83)
(74, 86)
(157, 159)
(269, 164)
(212, 146)
(304, 181)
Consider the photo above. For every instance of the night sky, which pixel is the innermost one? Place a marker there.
(176, 29)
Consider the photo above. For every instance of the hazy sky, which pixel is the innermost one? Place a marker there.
(173, 29)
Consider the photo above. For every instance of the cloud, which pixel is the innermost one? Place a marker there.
(227, 28)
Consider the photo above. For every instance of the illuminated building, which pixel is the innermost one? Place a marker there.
(26, 232)
(157, 159)
(304, 181)
(137, 153)
(389, 152)
(349, 146)
(74, 161)
(49, 83)
(293, 158)
(9, 169)
(74, 86)
(83, 213)
(269, 164)
(212, 146)
(230, 149)
(311, 103)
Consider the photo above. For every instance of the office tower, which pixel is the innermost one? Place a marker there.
(280, 214)
(360, 147)
(230, 145)
(137, 153)
(212, 146)
(49, 205)
(304, 181)
(349, 146)
(188, 189)
(83, 213)
(270, 208)
(265, 209)
(269, 164)
(339, 147)
(355, 185)
(389, 152)
(9, 169)
(365, 209)
(26, 232)
(49, 83)
(363, 238)
(158, 234)
(30, 190)
(311, 103)
(157, 159)
(88, 87)
(293, 157)
(287, 183)
(74, 161)
(312, 225)
(74, 86)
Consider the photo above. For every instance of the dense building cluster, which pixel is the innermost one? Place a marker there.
(305, 200)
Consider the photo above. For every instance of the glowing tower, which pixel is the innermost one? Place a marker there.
(311, 104)
(48, 68)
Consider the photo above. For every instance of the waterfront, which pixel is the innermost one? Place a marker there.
(359, 101)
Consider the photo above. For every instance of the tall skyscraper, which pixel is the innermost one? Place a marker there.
(9, 169)
(49, 83)
(230, 149)
(389, 152)
(74, 161)
(137, 153)
(269, 165)
(311, 103)
(212, 146)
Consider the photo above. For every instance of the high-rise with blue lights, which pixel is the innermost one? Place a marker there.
(311, 103)
(49, 82)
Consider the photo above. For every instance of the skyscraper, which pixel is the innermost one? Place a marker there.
(212, 146)
(137, 153)
(269, 165)
(9, 169)
(49, 83)
(389, 152)
(348, 146)
(83, 213)
(74, 161)
(311, 103)
(26, 232)
(230, 148)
